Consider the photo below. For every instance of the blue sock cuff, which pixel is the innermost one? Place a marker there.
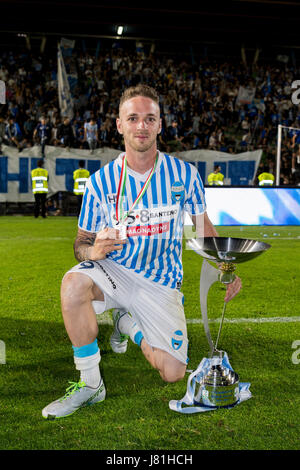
(138, 338)
(86, 350)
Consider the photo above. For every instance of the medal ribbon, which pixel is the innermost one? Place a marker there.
(121, 217)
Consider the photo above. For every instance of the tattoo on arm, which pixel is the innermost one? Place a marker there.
(83, 242)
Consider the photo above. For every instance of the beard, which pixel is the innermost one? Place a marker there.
(142, 146)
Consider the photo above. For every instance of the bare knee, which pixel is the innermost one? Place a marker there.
(172, 370)
(76, 289)
(173, 375)
(78, 314)
(169, 368)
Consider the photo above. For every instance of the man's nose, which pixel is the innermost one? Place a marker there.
(142, 124)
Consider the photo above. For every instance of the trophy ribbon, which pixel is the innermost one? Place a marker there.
(209, 275)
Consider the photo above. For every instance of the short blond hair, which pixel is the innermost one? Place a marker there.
(139, 90)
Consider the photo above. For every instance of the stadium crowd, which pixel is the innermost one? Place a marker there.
(198, 100)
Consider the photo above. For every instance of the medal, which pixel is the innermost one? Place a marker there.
(120, 215)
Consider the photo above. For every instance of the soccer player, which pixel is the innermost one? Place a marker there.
(129, 248)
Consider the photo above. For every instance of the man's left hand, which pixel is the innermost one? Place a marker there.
(233, 289)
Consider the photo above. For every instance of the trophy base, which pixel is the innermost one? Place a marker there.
(219, 388)
(219, 397)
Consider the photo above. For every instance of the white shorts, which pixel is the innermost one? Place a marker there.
(157, 309)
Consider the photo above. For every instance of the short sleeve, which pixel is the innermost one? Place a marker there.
(92, 217)
(195, 203)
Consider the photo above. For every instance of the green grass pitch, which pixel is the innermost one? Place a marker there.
(35, 254)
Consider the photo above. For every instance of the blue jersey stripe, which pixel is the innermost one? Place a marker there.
(147, 239)
(112, 177)
(200, 183)
(163, 185)
(154, 190)
(179, 168)
(103, 181)
(98, 219)
(170, 169)
(188, 176)
(130, 251)
(90, 216)
(95, 185)
(169, 252)
(153, 257)
(134, 260)
(83, 207)
(133, 188)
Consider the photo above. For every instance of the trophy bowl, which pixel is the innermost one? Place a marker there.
(227, 249)
(227, 252)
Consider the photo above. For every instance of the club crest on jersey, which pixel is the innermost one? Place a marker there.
(177, 340)
(177, 191)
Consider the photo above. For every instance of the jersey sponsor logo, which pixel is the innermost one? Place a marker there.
(177, 340)
(148, 221)
(143, 216)
(111, 198)
(177, 191)
(148, 230)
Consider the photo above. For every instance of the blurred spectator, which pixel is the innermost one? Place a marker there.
(51, 207)
(2, 132)
(42, 134)
(29, 127)
(174, 139)
(13, 134)
(91, 134)
(65, 134)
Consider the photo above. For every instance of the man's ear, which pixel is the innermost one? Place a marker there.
(119, 125)
(160, 126)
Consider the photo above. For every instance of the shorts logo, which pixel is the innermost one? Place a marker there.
(177, 340)
(107, 275)
(177, 191)
(86, 265)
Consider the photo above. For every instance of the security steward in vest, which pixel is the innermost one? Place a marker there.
(80, 177)
(266, 179)
(216, 178)
(39, 178)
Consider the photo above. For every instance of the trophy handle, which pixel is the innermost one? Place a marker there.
(209, 275)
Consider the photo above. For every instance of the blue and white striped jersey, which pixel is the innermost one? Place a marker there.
(155, 226)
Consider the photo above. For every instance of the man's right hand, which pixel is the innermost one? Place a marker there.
(106, 241)
(95, 246)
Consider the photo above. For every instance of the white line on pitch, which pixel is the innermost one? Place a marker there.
(279, 238)
(248, 320)
(104, 319)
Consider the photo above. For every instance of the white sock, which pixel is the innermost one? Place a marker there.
(91, 377)
(128, 326)
(89, 369)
